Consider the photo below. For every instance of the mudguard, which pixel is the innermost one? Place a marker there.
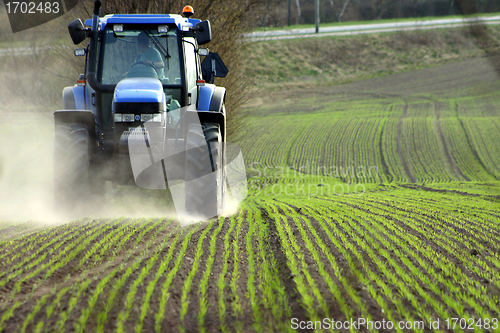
(74, 98)
(211, 106)
(205, 94)
(211, 98)
(218, 99)
(194, 117)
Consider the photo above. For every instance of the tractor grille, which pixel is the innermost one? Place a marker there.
(137, 108)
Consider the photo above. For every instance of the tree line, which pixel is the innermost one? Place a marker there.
(302, 11)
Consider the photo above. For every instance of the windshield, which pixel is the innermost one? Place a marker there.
(140, 51)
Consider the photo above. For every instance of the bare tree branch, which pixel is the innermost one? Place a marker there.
(346, 2)
(342, 11)
(299, 14)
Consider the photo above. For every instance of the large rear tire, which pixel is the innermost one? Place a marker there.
(205, 176)
(72, 188)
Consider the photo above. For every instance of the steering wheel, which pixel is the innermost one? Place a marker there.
(151, 64)
(145, 70)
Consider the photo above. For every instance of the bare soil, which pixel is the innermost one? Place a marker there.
(30, 300)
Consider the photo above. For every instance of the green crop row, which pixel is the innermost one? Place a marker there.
(306, 286)
(414, 267)
(485, 137)
(427, 161)
(22, 231)
(188, 282)
(274, 300)
(221, 282)
(204, 283)
(44, 243)
(440, 262)
(235, 276)
(445, 239)
(395, 253)
(438, 141)
(165, 291)
(127, 269)
(64, 315)
(459, 233)
(40, 265)
(139, 281)
(121, 235)
(326, 268)
(349, 245)
(19, 247)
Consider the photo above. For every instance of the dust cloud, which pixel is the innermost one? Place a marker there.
(27, 186)
(27, 156)
(30, 91)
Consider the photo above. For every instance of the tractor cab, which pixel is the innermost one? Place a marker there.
(160, 47)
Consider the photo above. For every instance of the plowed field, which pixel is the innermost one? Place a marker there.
(374, 203)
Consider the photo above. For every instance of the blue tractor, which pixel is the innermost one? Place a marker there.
(145, 112)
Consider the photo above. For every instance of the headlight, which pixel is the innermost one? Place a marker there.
(146, 117)
(128, 117)
(153, 117)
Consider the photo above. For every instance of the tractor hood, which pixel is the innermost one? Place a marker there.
(137, 95)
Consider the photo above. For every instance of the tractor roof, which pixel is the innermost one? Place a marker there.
(178, 20)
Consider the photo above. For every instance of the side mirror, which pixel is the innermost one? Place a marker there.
(77, 31)
(213, 67)
(203, 32)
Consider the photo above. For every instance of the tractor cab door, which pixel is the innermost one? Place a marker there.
(191, 61)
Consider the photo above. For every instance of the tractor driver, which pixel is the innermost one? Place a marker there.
(149, 55)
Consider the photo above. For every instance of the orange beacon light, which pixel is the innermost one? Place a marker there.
(187, 11)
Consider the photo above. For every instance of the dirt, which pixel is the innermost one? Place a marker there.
(400, 150)
(449, 158)
(427, 222)
(343, 266)
(284, 272)
(340, 217)
(444, 81)
(243, 320)
(426, 188)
